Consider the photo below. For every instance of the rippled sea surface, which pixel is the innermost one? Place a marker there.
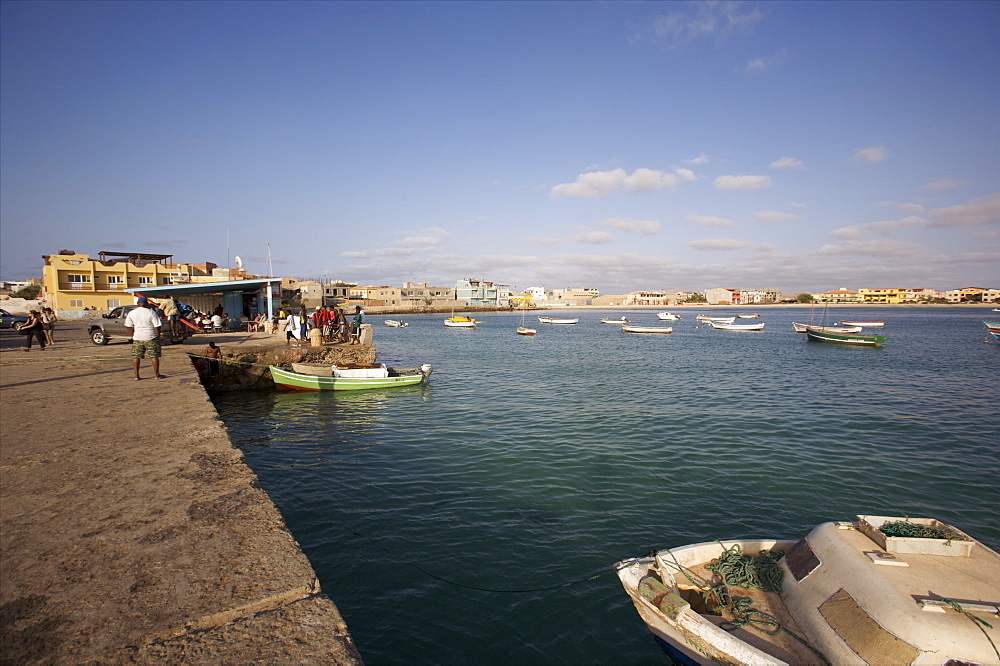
(531, 463)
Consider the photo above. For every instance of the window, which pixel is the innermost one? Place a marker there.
(77, 281)
(145, 279)
(114, 303)
(167, 280)
(76, 303)
(115, 281)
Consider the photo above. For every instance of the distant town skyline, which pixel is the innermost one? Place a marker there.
(619, 146)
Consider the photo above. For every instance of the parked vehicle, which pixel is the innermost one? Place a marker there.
(11, 320)
(112, 325)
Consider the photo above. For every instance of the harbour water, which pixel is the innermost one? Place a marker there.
(461, 522)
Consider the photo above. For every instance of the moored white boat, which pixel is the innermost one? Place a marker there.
(667, 316)
(721, 320)
(863, 324)
(736, 327)
(749, 316)
(845, 338)
(846, 593)
(647, 329)
(460, 322)
(623, 320)
(314, 377)
(801, 328)
(395, 323)
(523, 330)
(556, 320)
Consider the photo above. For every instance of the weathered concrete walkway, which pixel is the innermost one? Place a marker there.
(130, 528)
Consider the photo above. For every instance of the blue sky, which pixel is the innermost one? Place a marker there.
(617, 145)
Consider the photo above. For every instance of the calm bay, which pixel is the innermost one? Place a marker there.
(464, 521)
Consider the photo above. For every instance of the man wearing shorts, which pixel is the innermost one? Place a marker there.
(144, 326)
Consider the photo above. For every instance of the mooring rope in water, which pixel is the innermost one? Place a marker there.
(603, 572)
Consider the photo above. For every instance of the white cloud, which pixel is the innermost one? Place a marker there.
(644, 227)
(976, 213)
(943, 184)
(593, 236)
(767, 62)
(542, 240)
(877, 153)
(711, 221)
(882, 227)
(596, 184)
(774, 216)
(591, 185)
(728, 244)
(787, 163)
(703, 19)
(700, 160)
(742, 182)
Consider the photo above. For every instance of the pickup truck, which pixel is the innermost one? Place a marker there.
(112, 324)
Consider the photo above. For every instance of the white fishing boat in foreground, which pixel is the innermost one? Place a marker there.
(647, 329)
(667, 316)
(848, 593)
(554, 320)
(801, 328)
(736, 327)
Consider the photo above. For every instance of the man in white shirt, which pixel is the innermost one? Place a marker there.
(144, 326)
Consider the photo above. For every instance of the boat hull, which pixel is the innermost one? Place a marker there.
(294, 381)
(736, 327)
(863, 324)
(845, 339)
(521, 330)
(666, 316)
(801, 328)
(648, 329)
(459, 324)
(552, 320)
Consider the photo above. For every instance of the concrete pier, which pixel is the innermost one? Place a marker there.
(131, 530)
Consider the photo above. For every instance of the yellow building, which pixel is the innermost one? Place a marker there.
(74, 281)
(883, 295)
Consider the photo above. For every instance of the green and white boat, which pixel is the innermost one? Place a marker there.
(845, 338)
(354, 378)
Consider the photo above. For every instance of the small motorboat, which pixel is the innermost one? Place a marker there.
(647, 329)
(623, 320)
(721, 320)
(667, 316)
(355, 377)
(736, 327)
(460, 322)
(801, 328)
(523, 330)
(555, 320)
(395, 323)
(862, 324)
(881, 590)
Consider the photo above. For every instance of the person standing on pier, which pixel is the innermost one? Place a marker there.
(359, 318)
(169, 307)
(144, 326)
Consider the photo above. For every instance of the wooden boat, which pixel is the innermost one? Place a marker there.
(801, 328)
(847, 593)
(736, 327)
(846, 338)
(863, 324)
(721, 320)
(554, 320)
(993, 328)
(623, 320)
(395, 323)
(647, 329)
(346, 378)
(667, 316)
(460, 322)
